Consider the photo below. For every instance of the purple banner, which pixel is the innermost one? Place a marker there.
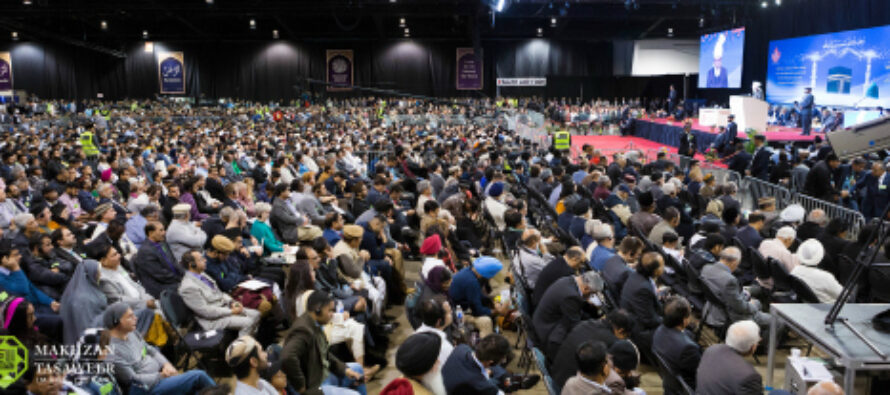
(339, 69)
(469, 69)
(171, 73)
(5, 72)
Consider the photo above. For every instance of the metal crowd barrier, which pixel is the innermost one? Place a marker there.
(854, 219)
(752, 189)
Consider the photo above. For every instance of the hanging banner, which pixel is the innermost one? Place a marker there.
(469, 69)
(171, 73)
(5, 72)
(339, 69)
(522, 82)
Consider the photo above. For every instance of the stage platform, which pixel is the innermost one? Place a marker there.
(609, 145)
(668, 133)
(779, 134)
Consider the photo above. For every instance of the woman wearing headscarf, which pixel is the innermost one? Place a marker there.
(437, 282)
(84, 302)
(18, 320)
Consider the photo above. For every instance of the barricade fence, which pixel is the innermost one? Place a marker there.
(854, 219)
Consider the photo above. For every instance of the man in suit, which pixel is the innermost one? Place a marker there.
(723, 368)
(284, 218)
(876, 191)
(561, 309)
(467, 371)
(156, 267)
(639, 297)
(806, 111)
(719, 279)
(183, 235)
(750, 234)
(740, 160)
(675, 345)
(617, 268)
(563, 266)
(615, 326)
(820, 181)
(687, 141)
(592, 371)
(672, 99)
(213, 309)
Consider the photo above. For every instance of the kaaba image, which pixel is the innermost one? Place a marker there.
(839, 80)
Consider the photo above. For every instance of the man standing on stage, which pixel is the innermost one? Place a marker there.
(672, 99)
(806, 111)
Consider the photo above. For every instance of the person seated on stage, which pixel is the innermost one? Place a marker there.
(140, 365)
(213, 308)
(723, 368)
(679, 113)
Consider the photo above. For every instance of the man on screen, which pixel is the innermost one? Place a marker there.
(717, 76)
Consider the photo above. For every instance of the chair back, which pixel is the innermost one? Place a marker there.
(780, 275)
(175, 310)
(761, 268)
(803, 291)
(673, 382)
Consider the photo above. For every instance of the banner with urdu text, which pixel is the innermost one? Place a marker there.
(5, 72)
(339, 69)
(469, 69)
(171, 73)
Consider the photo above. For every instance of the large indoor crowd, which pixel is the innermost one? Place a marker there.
(274, 240)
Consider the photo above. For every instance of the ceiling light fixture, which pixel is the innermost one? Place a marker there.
(701, 21)
(670, 32)
(275, 34)
(209, 2)
(402, 22)
(540, 32)
(26, 2)
(553, 22)
(15, 36)
(103, 25)
(764, 4)
(252, 24)
(145, 34)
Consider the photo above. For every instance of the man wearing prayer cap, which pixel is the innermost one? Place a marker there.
(717, 75)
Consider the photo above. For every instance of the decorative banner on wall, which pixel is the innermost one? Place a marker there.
(469, 69)
(5, 72)
(171, 73)
(522, 82)
(339, 67)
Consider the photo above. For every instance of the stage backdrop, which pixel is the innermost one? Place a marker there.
(5, 73)
(469, 69)
(171, 73)
(847, 68)
(340, 67)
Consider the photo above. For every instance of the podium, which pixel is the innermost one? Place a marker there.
(749, 112)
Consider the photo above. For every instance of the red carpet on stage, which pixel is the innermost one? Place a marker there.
(773, 133)
(609, 145)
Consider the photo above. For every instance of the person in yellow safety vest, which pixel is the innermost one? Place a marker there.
(562, 140)
(88, 144)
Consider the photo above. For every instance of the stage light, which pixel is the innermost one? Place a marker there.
(149, 47)
(402, 22)
(103, 25)
(275, 34)
(764, 4)
(15, 36)
(540, 32)
(209, 2)
(407, 31)
(670, 32)
(145, 34)
(778, 2)
(252, 24)
(701, 21)
(552, 22)
(392, 1)
(500, 5)
(26, 2)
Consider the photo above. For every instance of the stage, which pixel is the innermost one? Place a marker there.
(609, 145)
(669, 132)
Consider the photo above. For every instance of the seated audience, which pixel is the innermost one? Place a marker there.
(562, 308)
(810, 255)
(723, 368)
(675, 344)
(718, 277)
(593, 369)
(422, 372)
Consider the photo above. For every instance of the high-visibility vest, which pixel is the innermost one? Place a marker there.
(562, 140)
(87, 145)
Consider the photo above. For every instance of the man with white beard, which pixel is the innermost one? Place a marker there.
(417, 359)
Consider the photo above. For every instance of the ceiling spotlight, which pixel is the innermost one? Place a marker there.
(103, 25)
(15, 36)
(778, 2)
(496, 5)
(209, 2)
(145, 34)
(392, 1)
(500, 5)
(252, 24)
(275, 34)
(149, 47)
(552, 22)
(764, 4)
(701, 21)
(26, 2)
(670, 32)
(402, 22)
(540, 32)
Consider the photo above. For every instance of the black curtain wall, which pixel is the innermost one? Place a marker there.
(270, 70)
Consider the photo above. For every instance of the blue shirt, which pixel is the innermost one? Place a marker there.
(332, 236)
(17, 283)
(466, 292)
(135, 229)
(599, 256)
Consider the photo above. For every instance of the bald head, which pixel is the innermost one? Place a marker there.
(826, 387)
(531, 237)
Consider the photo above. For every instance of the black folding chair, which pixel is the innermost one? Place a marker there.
(672, 382)
(761, 268)
(189, 335)
(715, 303)
(803, 291)
(780, 275)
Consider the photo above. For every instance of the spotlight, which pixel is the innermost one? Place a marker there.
(670, 32)
(500, 5)
(149, 47)
(496, 5)
(145, 34)
(764, 4)
(552, 22)
(275, 34)
(402, 22)
(15, 36)
(392, 1)
(701, 21)
(209, 2)
(252, 24)
(778, 2)
(103, 25)
(26, 2)
(540, 32)
(407, 31)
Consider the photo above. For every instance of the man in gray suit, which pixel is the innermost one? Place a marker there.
(723, 368)
(183, 235)
(286, 219)
(739, 306)
(213, 309)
